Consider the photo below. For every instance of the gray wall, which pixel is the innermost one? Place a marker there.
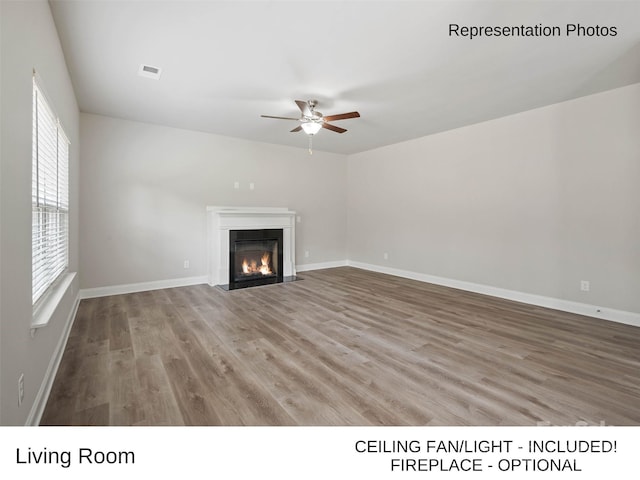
(533, 202)
(29, 40)
(145, 189)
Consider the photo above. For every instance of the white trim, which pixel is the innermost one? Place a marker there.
(248, 211)
(47, 304)
(220, 220)
(141, 287)
(620, 316)
(40, 402)
(603, 313)
(320, 266)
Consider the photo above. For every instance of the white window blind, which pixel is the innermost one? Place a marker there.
(49, 196)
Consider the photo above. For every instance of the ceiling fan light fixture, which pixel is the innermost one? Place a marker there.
(311, 128)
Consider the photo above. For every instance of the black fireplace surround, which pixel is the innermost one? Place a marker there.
(255, 258)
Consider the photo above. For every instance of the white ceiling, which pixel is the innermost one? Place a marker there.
(226, 63)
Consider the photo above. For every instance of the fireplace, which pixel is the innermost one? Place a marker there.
(231, 232)
(255, 257)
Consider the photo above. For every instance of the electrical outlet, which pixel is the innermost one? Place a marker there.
(386, 256)
(298, 219)
(20, 389)
(252, 186)
(585, 286)
(306, 254)
(236, 185)
(186, 264)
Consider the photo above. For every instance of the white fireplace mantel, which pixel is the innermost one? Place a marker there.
(222, 219)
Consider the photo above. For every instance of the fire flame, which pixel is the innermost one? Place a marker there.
(252, 267)
(264, 268)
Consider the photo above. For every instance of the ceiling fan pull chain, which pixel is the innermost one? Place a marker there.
(310, 144)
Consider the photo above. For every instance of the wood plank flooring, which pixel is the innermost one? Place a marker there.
(341, 347)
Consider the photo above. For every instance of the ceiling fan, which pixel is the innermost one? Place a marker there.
(311, 121)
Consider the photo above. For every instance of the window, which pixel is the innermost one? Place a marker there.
(49, 196)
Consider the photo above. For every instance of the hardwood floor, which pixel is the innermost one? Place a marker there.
(341, 347)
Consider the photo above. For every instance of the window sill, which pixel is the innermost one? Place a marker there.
(45, 309)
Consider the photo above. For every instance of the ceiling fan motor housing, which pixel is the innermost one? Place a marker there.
(315, 115)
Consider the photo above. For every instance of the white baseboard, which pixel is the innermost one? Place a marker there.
(319, 266)
(141, 287)
(37, 409)
(620, 316)
(604, 313)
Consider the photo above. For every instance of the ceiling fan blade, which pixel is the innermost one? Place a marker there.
(304, 108)
(333, 128)
(279, 118)
(341, 116)
(297, 129)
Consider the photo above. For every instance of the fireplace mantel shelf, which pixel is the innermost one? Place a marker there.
(244, 211)
(222, 219)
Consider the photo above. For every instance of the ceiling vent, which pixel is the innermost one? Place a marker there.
(149, 71)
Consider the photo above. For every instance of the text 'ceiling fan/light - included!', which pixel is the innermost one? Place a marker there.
(311, 121)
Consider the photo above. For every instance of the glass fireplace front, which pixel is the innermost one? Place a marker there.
(255, 257)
